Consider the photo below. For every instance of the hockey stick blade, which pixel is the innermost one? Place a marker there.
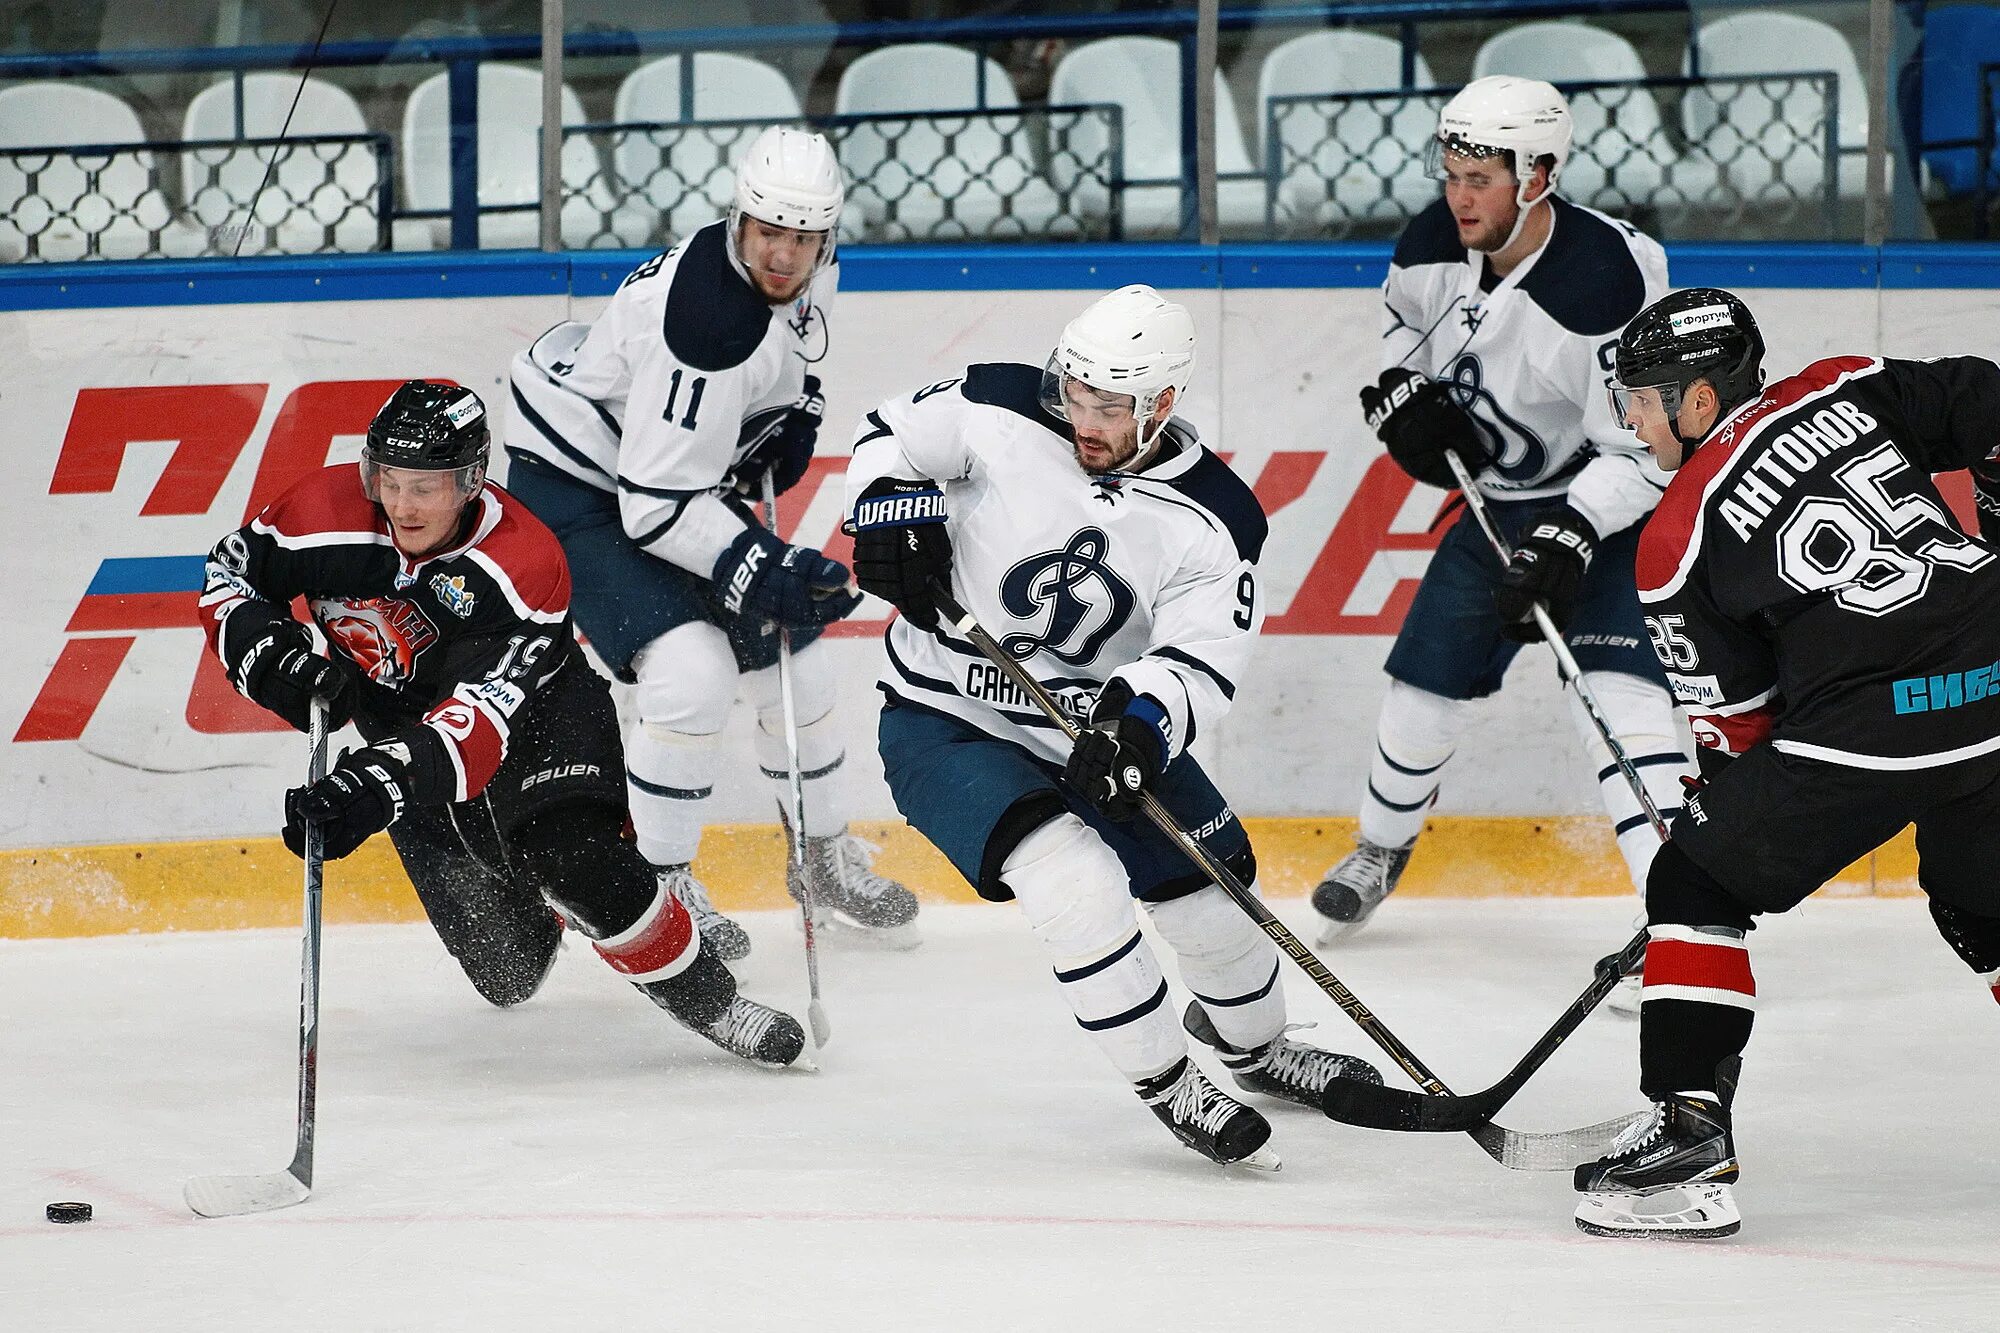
(1558, 1150)
(1353, 1102)
(232, 1196)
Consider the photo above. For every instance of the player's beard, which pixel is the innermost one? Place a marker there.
(1492, 236)
(1119, 454)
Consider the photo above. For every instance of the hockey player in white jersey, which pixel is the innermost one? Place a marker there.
(1116, 558)
(1504, 303)
(637, 438)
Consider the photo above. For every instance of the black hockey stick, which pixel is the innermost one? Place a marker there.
(1372, 1106)
(227, 1196)
(1522, 1152)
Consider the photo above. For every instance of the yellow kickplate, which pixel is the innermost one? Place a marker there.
(232, 884)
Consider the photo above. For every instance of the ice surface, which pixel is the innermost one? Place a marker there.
(965, 1160)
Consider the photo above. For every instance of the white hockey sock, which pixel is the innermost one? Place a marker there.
(686, 684)
(1414, 739)
(1229, 964)
(1077, 899)
(668, 778)
(1641, 716)
(821, 752)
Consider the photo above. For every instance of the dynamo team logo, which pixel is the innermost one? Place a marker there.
(1084, 600)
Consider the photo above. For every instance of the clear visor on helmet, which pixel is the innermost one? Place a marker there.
(1639, 405)
(1478, 165)
(419, 484)
(784, 256)
(1084, 405)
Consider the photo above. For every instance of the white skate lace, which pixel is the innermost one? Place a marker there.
(1368, 866)
(680, 882)
(743, 1025)
(1197, 1102)
(1297, 1066)
(1640, 1132)
(852, 858)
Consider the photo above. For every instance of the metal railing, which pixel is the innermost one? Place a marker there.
(189, 198)
(1014, 174)
(1758, 155)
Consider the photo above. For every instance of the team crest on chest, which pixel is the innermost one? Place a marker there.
(383, 635)
(453, 593)
(1080, 600)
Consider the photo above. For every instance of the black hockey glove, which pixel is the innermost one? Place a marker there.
(1548, 567)
(901, 546)
(795, 586)
(364, 794)
(1120, 754)
(278, 669)
(788, 451)
(1419, 422)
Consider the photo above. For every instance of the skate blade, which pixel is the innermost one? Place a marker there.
(1333, 932)
(843, 933)
(1674, 1212)
(1264, 1159)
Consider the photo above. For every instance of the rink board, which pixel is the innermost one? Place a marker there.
(141, 791)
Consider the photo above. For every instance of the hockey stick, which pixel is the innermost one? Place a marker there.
(1525, 1152)
(815, 1011)
(227, 1196)
(1357, 1103)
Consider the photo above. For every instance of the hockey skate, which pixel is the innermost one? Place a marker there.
(1352, 890)
(1289, 1070)
(1208, 1119)
(850, 898)
(1668, 1177)
(703, 998)
(719, 935)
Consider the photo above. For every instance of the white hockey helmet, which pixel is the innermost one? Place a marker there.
(1524, 119)
(1134, 341)
(789, 177)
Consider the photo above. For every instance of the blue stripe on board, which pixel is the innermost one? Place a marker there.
(149, 573)
(897, 268)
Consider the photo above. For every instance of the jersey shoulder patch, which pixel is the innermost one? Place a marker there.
(713, 319)
(1430, 238)
(1214, 485)
(1013, 387)
(1587, 280)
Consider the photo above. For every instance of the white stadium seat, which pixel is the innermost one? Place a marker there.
(510, 129)
(1757, 143)
(52, 200)
(690, 178)
(1143, 76)
(1366, 163)
(950, 179)
(313, 188)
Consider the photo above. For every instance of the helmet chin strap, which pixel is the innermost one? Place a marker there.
(1523, 207)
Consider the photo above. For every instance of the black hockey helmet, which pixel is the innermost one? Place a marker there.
(1703, 333)
(426, 427)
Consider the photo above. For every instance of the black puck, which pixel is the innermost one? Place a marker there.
(68, 1212)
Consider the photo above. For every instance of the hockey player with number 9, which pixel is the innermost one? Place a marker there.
(1834, 636)
(1115, 558)
(1502, 305)
(492, 754)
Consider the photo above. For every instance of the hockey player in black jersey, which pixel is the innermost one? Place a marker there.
(492, 752)
(1834, 637)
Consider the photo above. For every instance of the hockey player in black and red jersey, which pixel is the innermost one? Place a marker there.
(1834, 637)
(492, 751)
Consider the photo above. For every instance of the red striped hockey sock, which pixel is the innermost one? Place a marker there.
(1697, 999)
(659, 945)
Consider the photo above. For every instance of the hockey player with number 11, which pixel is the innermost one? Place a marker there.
(1087, 528)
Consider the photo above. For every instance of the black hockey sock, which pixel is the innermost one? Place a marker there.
(1681, 1043)
(580, 857)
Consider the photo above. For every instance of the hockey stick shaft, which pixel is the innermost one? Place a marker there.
(822, 1028)
(1220, 874)
(309, 969)
(228, 1196)
(1565, 660)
